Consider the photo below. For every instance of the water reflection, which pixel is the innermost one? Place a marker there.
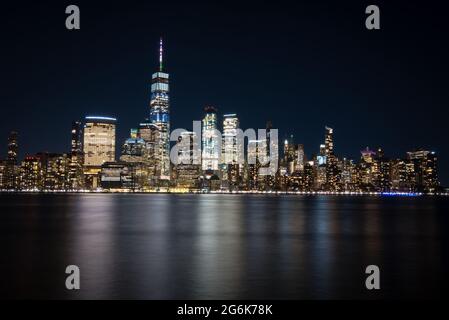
(221, 246)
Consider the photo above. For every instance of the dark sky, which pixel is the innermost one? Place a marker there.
(302, 65)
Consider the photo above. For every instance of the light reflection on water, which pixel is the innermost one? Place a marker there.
(222, 246)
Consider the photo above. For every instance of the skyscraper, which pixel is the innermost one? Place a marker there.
(134, 148)
(230, 148)
(98, 147)
(210, 140)
(33, 172)
(150, 133)
(160, 116)
(2, 174)
(367, 170)
(425, 169)
(231, 153)
(76, 179)
(329, 141)
(256, 151)
(332, 172)
(99, 141)
(11, 169)
(270, 156)
(188, 167)
(12, 147)
(56, 170)
(300, 158)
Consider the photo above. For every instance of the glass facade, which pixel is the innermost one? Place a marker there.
(99, 141)
(210, 140)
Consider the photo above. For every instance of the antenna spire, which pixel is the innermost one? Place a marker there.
(160, 55)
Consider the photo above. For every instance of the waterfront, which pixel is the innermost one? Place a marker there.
(213, 246)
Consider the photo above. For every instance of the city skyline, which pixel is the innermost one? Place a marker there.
(209, 160)
(152, 157)
(212, 152)
(207, 72)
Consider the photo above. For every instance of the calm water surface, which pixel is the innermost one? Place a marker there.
(166, 246)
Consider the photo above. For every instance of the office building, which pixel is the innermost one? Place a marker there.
(98, 147)
(211, 144)
(160, 117)
(76, 175)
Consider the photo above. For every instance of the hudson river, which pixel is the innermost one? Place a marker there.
(166, 246)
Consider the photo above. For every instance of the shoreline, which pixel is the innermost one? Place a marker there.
(272, 193)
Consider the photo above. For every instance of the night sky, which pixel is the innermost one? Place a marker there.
(302, 66)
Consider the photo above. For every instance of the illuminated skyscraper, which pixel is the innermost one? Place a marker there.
(150, 133)
(382, 171)
(425, 168)
(11, 168)
(12, 147)
(289, 151)
(32, 173)
(76, 179)
(300, 158)
(188, 168)
(56, 169)
(256, 150)
(230, 148)
(134, 150)
(270, 156)
(2, 174)
(329, 142)
(99, 141)
(367, 170)
(210, 140)
(160, 116)
(230, 155)
(332, 172)
(98, 147)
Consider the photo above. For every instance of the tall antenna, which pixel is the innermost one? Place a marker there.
(160, 55)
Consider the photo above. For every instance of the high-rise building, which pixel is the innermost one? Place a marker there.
(135, 160)
(56, 168)
(299, 158)
(431, 182)
(319, 166)
(32, 173)
(160, 116)
(210, 141)
(329, 141)
(368, 155)
(2, 174)
(425, 168)
(76, 176)
(348, 175)
(150, 133)
(289, 154)
(188, 168)
(253, 168)
(402, 175)
(332, 172)
(307, 181)
(231, 154)
(367, 170)
(134, 148)
(382, 171)
(99, 141)
(270, 157)
(12, 147)
(98, 146)
(11, 171)
(256, 156)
